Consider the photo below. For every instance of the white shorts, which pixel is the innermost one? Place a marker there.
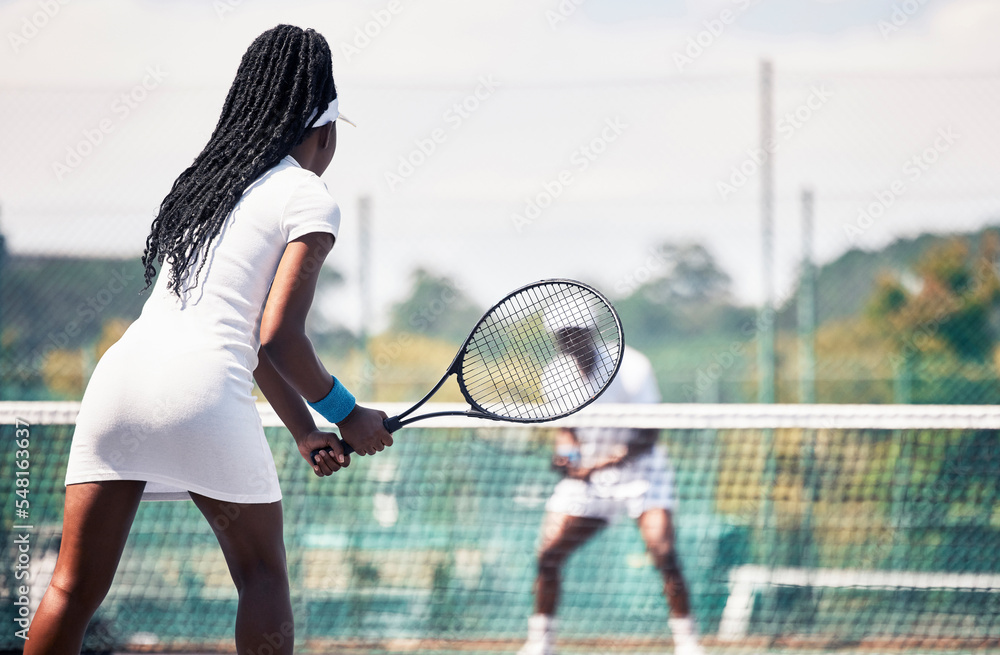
(642, 484)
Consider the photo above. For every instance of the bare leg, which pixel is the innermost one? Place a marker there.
(657, 528)
(96, 523)
(562, 534)
(252, 542)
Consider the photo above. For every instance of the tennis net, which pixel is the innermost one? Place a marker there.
(819, 527)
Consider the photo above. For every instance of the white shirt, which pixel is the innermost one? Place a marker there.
(635, 383)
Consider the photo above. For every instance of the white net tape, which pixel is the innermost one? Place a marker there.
(663, 416)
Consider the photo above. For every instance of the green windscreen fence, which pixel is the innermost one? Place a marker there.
(801, 526)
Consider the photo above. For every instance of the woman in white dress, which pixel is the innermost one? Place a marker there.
(169, 412)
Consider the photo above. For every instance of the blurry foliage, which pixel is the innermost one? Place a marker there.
(49, 304)
(404, 366)
(917, 321)
(854, 363)
(686, 296)
(927, 309)
(63, 372)
(677, 308)
(953, 304)
(932, 327)
(110, 334)
(437, 307)
(844, 286)
(940, 320)
(941, 483)
(690, 275)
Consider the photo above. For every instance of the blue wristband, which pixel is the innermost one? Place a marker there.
(337, 404)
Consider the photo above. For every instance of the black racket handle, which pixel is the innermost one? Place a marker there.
(391, 424)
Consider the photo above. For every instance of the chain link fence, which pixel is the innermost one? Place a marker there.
(902, 169)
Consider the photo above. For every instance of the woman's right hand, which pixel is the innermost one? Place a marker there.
(364, 432)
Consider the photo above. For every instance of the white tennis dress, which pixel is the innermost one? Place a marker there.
(170, 403)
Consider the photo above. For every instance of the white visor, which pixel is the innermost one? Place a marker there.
(331, 114)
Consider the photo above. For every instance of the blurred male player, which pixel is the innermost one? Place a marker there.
(609, 472)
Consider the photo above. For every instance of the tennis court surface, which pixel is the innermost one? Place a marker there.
(800, 529)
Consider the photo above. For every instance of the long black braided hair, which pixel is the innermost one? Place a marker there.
(285, 75)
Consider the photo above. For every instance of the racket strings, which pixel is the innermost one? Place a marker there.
(543, 352)
(499, 332)
(492, 380)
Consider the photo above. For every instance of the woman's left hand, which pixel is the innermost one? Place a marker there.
(330, 458)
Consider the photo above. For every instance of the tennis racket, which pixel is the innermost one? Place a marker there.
(545, 351)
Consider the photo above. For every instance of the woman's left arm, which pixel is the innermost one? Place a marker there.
(294, 414)
(298, 370)
(282, 328)
(298, 271)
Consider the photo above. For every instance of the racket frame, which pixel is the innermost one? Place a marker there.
(394, 423)
(475, 409)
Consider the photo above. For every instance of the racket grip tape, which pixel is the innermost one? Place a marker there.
(391, 425)
(343, 444)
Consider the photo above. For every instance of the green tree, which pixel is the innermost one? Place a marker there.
(436, 307)
(679, 292)
(951, 302)
(54, 304)
(940, 322)
(689, 275)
